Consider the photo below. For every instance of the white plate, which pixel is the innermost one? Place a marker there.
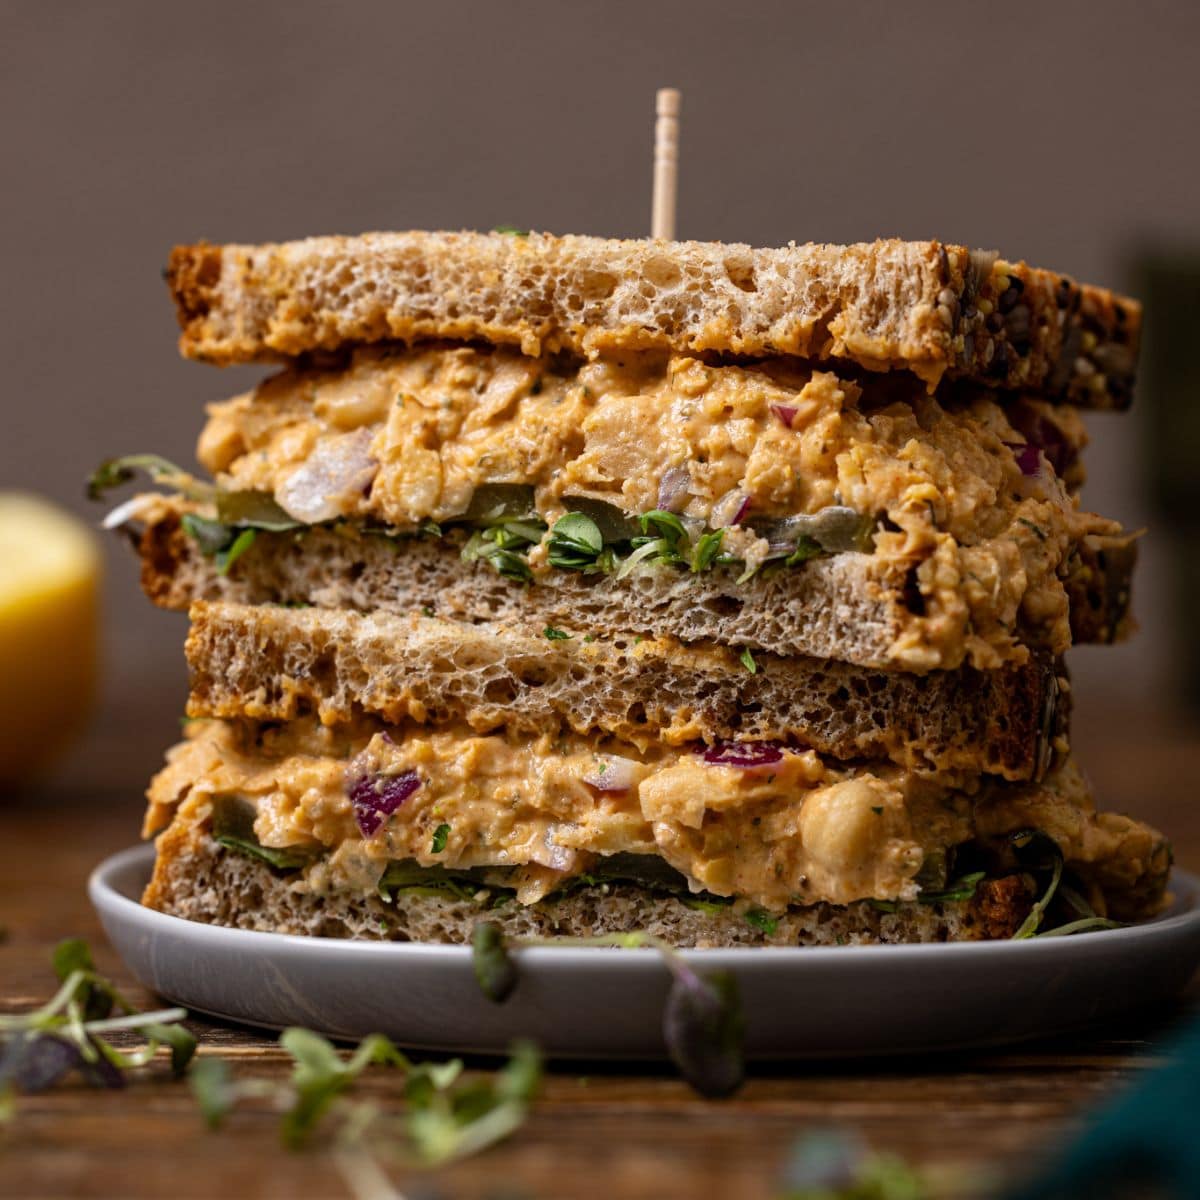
(599, 1003)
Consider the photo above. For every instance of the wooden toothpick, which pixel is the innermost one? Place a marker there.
(666, 162)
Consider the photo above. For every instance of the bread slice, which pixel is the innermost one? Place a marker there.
(848, 607)
(270, 663)
(935, 309)
(199, 880)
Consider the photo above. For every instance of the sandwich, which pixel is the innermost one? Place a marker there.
(589, 586)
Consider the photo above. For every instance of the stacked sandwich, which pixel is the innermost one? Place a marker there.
(587, 585)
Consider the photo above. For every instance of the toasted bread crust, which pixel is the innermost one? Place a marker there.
(271, 663)
(935, 309)
(198, 880)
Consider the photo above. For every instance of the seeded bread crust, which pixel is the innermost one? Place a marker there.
(935, 309)
(269, 663)
(844, 607)
(197, 879)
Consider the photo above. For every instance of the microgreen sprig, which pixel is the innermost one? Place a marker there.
(69, 1032)
(702, 1021)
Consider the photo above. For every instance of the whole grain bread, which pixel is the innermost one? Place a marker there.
(935, 309)
(845, 607)
(270, 663)
(197, 879)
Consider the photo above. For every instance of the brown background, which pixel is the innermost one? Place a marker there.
(1064, 133)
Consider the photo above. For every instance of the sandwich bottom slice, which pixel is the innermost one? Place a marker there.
(396, 832)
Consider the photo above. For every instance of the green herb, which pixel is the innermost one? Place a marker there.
(555, 635)
(1037, 529)
(494, 970)
(747, 661)
(440, 834)
(884, 906)
(510, 229)
(1038, 852)
(806, 548)
(706, 550)
(658, 523)
(963, 888)
(445, 1117)
(430, 529)
(503, 549)
(427, 611)
(69, 1032)
(225, 559)
(575, 543)
(702, 1020)
(759, 918)
(115, 472)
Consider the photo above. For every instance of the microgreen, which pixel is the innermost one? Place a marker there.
(115, 472)
(555, 635)
(963, 888)
(575, 543)
(512, 230)
(806, 548)
(494, 969)
(747, 661)
(707, 549)
(225, 559)
(702, 1019)
(440, 834)
(445, 1117)
(70, 1031)
(1037, 852)
(504, 546)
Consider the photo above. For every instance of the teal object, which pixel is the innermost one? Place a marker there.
(1145, 1145)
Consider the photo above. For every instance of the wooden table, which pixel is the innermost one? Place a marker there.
(595, 1132)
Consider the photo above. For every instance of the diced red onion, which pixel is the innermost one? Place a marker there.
(331, 481)
(730, 509)
(750, 756)
(1047, 437)
(612, 774)
(785, 412)
(375, 797)
(673, 489)
(1028, 457)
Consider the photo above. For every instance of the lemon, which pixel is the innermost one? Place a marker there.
(49, 585)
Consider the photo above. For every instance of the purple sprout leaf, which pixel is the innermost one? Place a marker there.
(35, 1062)
(703, 1028)
(376, 797)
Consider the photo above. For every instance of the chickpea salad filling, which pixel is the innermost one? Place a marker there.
(651, 463)
(366, 807)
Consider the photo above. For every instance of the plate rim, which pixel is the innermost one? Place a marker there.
(1183, 915)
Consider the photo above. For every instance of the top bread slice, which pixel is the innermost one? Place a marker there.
(937, 310)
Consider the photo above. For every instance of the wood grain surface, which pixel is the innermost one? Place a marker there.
(595, 1132)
